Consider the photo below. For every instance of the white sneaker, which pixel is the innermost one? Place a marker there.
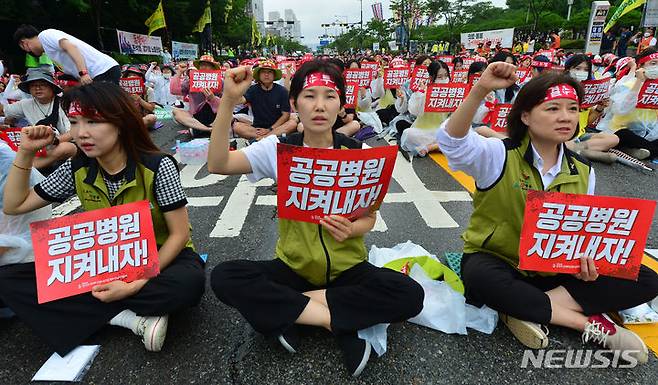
(153, 331)
(602, 330)
(654, 304)
(530, 334)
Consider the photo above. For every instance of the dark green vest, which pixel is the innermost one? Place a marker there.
(308, 248)
(495, 225)
(139, 185)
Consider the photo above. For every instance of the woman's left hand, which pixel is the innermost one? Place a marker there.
(588, 271)
(339, 227)
(116, 290)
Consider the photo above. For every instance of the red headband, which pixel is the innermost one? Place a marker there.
(319, 79)
(561, 91)
(541, 64)
(647, 58)
(75, 109)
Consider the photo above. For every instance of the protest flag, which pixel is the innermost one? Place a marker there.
(623, 8)
(156, 20)
(206, 18)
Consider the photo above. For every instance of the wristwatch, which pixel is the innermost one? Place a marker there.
(83, 73)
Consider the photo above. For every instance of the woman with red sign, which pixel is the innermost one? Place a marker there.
(543, 117)
(118, 164)
(420, 138)
(320, 275)
(637, 126)
(144, 100)
(592, 145)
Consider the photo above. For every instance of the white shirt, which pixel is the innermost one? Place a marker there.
(484, 159)
(97, 62)
(262, 158)
(34, 111)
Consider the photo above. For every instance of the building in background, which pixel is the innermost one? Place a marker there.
(256, 10)
(288, 26)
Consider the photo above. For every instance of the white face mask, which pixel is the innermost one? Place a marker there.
(651, 72)
(442, 81)
(166, 76)
(579, 75)
(646, 34)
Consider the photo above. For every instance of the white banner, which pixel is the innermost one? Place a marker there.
(137, 44)
(595, 29)
(505, 37)
(184, 50)
(651, 13)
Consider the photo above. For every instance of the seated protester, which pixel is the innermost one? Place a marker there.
(593, 146)
(120, 164)
(509, 94)
(458, 63)
(269, 105)
(43, 109)
(160, 79)
(420, 138)
(387, 97)
(525, 62)
(143, 102)
(320, 275)
(12, 93)
(73, 56)
(637, 128)
(543, 118)
(203, 105)
(15, 235)
(404, 120)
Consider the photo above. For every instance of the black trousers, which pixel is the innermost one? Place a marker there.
(269, 295)
(112, 75)
(628, 139)
(68, 322)
(387, 114)
(491, 281)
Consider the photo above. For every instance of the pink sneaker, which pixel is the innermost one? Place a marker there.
(602, 330)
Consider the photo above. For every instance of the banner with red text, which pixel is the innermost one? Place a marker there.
(132, 85)
(596, 91)
(445, 97)
(201, 80)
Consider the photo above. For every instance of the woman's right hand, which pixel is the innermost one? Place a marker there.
(34, 138)
(497, 76)
(640, 75)
(236, 83)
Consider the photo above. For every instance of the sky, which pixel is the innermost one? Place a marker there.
(313, 14)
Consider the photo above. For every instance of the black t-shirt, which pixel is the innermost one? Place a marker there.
(267, 106)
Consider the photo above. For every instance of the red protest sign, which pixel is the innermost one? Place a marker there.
(468, 61)
(446, 58)
(132, 85)
(12, 136)
(315, 182)
(499, 117)
(351, 94)
(559, 227)
(419, 79)
(459, 76)
(74, 253)
(395, 77)
(200, 80)
(361, 75)
(548, 53)
(288, 67)
(595, 92)
(522, 74)
(372, 66)
(648, 96)
(445, 97)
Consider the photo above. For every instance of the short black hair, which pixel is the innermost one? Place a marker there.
(434, 67)
(317, 65)
(25, 31)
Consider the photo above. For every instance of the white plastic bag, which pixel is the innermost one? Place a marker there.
(376, 335)
(443, 308)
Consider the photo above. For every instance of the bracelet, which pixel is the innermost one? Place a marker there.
(21, 168)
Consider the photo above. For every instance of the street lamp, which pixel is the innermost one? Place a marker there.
(570, 3)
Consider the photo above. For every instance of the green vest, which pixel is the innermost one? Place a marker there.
(495, 225)
(140, 185)
(308, 248)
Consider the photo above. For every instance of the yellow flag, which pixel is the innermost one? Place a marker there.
(156, 20)
(206, 18)
(255, 33)
(623, 8)
(227, 9)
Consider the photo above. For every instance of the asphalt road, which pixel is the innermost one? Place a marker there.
(212, 344)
